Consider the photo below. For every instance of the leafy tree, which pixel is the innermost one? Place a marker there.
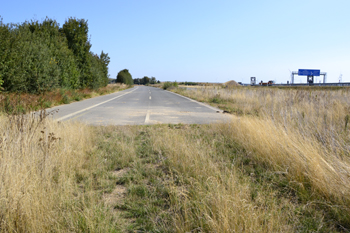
(105, 59)
(153, 80)
(76, 32)
(38, 56)
(146, 80)
(124, 77)
(138, 81)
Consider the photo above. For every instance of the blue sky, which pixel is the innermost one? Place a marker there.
(208, 41)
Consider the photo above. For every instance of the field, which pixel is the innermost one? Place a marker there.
(280, 165)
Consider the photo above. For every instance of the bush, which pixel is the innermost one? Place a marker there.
(167, 85)
(41, 56)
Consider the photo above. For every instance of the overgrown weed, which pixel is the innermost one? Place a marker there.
(208, 178)
(50, 178)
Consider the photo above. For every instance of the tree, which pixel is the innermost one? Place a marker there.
(137, 81)
(39, 56)
(76, 32)
(105, 59)
(124, 77)
(153, 80)
(146, 80)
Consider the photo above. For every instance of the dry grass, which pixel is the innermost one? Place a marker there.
(46, 174)
(210, 178)
(281, 165)
(302, 134)
(213, 196)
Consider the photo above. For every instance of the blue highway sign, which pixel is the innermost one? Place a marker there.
(309, 72)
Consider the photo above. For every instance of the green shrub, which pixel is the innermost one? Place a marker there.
(65, 99)
(40, 56)
(167, 85)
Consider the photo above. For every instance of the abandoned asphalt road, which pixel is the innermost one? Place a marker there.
(141, 105)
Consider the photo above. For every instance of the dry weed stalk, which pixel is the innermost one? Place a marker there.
(37, 172)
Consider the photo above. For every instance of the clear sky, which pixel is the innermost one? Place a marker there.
(208, 41)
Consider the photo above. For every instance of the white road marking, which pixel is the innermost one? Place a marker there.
(147, 116)
(150, 97)
(85, 109)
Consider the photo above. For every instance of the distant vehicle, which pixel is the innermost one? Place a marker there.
(269, 83)
(240, 83)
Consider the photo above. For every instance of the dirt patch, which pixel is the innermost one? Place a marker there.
(116, 196)
(121, 172)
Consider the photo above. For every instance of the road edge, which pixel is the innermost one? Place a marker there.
(85, 109)
(203, 104)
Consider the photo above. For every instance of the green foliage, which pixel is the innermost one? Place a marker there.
(124, 77)
(167, 85)
(145, 80)
(1, 82)
(153, 80)
(40, 56)
(189, 83)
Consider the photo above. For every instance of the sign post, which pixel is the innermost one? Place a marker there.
(310, 74)
(252, 81)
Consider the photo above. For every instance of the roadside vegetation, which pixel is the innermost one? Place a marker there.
(43, 64)
(21, 103)
(42, 56)
(146, 80)
(125, 77)
(301, 134)
(280, 165)
(169, 85)
(50, 177)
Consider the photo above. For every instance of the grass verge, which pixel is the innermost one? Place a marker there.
(208, 178)
(68, 177)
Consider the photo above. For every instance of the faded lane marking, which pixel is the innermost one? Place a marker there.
(147, 116)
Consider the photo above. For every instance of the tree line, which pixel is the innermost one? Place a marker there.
(146, 80)
(124, 76)
(40, 56)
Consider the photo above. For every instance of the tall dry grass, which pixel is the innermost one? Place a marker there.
(41, 162)
(208, 192)
(304, 159)
(224, 178)
(321, 115)
(302, 134)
